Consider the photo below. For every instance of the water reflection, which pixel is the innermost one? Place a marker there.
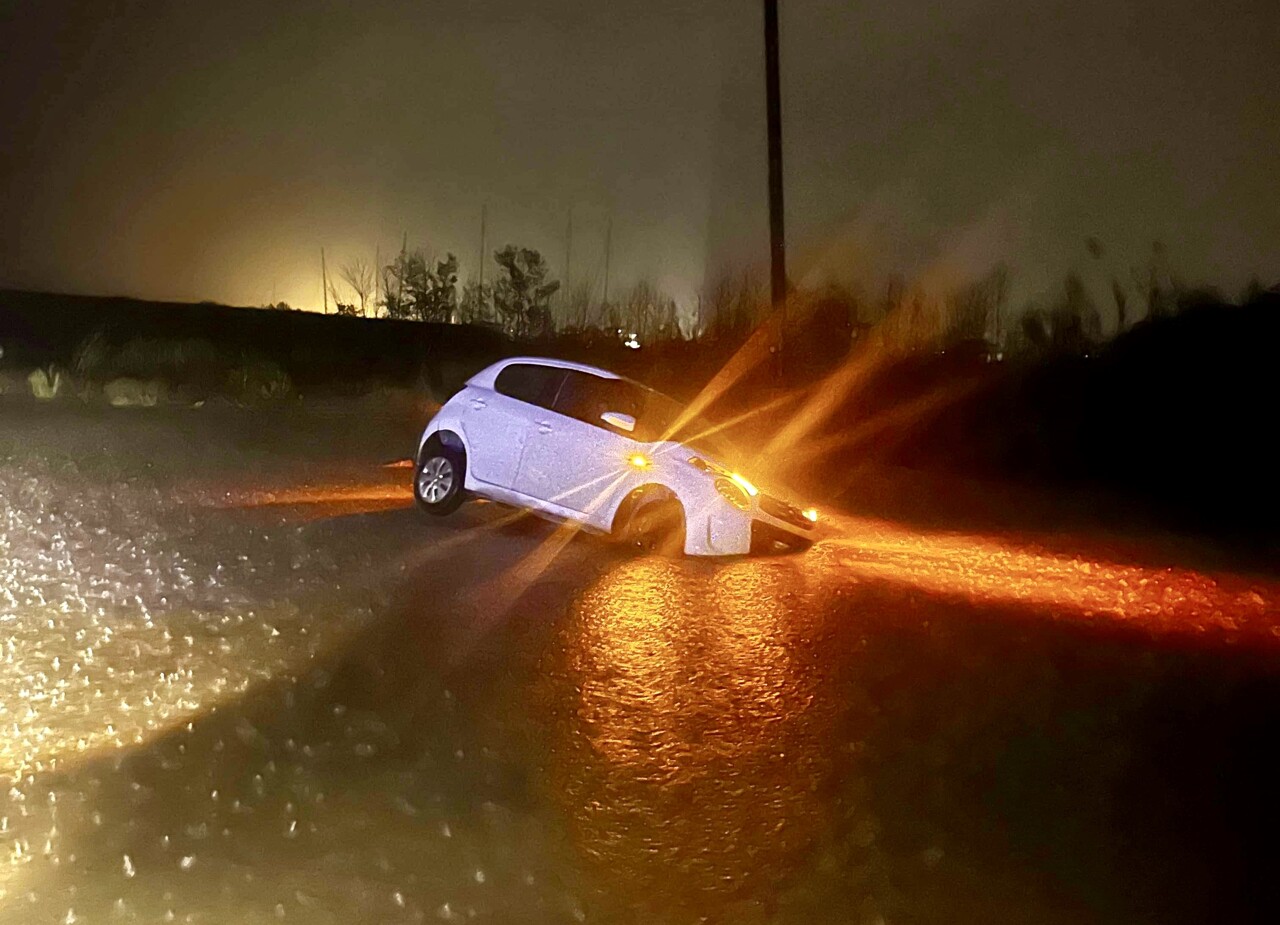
(688, 746)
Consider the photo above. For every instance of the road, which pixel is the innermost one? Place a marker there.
(300, 700)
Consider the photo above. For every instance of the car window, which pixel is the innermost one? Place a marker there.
(585, 397)
(530, 383)
(664, 418)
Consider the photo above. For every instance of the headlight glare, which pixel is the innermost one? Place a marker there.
(733, 493)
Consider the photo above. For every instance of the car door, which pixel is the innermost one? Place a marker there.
(573, 458)
(498, 422)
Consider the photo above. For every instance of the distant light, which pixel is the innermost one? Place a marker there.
(810, 514)
(746, 486)
(639, 461)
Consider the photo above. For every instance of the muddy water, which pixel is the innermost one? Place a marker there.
(291, 710)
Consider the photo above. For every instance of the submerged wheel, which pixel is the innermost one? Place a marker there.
(437, 482)
(656, 526)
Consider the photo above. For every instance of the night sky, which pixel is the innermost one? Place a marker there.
(208, 150)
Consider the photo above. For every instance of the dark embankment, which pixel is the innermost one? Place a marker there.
(1175, 418)
(193, 346)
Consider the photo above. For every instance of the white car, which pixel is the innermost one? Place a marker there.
(575, 443)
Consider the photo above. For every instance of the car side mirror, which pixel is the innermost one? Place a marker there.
(619, 420)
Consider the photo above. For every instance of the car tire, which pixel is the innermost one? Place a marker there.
(438, 479)
(657, 527)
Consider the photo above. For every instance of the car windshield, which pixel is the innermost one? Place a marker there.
(664, 418)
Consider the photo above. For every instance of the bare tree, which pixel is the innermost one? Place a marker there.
(647, 314)
(973, 308)
(732, 304)
(359, 275)
(347, 309)
(578, 306)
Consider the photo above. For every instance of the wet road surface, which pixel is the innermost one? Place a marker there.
(318, 706)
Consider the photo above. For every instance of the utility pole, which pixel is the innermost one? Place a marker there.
(777, 237)
(608, 247)
(377, 275)
(568, 263)
(482, 218)
(404, 248)
(324, 282)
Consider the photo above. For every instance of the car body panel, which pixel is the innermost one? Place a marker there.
(492, 420)
(574, 464)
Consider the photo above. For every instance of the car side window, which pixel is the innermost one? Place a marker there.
(530, 383)
(585, 397)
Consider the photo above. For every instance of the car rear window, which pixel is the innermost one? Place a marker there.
(530, 383)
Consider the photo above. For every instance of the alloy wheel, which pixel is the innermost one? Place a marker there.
(435, 479)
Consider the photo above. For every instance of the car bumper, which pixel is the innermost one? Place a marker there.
(724, 530)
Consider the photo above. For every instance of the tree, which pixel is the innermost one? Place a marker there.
(972, 308)
(1071, 326)
(397, 296)
(433, 290)
(359, 275)
(1118, 295)
(732, 304)
(475, 306)
(1155, 283)
(522, 294)
(648, 314)
(421, 290)
(578, 305)
(1121, 300)
(348, 309)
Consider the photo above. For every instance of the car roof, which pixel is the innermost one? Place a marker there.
(486, 376)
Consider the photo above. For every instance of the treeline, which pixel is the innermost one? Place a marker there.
(520, 297)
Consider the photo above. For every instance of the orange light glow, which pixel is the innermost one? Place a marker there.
(810, 514)
(1073, 585)
(746, 486)
(671, 680)
(639, 461)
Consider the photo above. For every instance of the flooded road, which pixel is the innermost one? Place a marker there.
(304, 702)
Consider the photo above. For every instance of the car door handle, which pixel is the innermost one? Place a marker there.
(478, 403)
(544, 427)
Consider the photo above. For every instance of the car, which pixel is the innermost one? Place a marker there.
(575, 443)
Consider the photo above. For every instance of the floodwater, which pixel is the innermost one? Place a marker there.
(305, 702)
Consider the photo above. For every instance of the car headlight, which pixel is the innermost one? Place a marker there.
(732, 492)
(733, 486)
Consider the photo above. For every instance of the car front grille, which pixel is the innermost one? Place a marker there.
(784, 511)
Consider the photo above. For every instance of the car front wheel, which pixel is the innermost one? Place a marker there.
(437, 482)
(656, 527)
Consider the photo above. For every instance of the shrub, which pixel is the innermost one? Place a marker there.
(45, 383)
(256, 381)
(132, 392)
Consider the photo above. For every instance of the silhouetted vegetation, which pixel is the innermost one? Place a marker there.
(417, 288)
(522, 294)
(1175, 414)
